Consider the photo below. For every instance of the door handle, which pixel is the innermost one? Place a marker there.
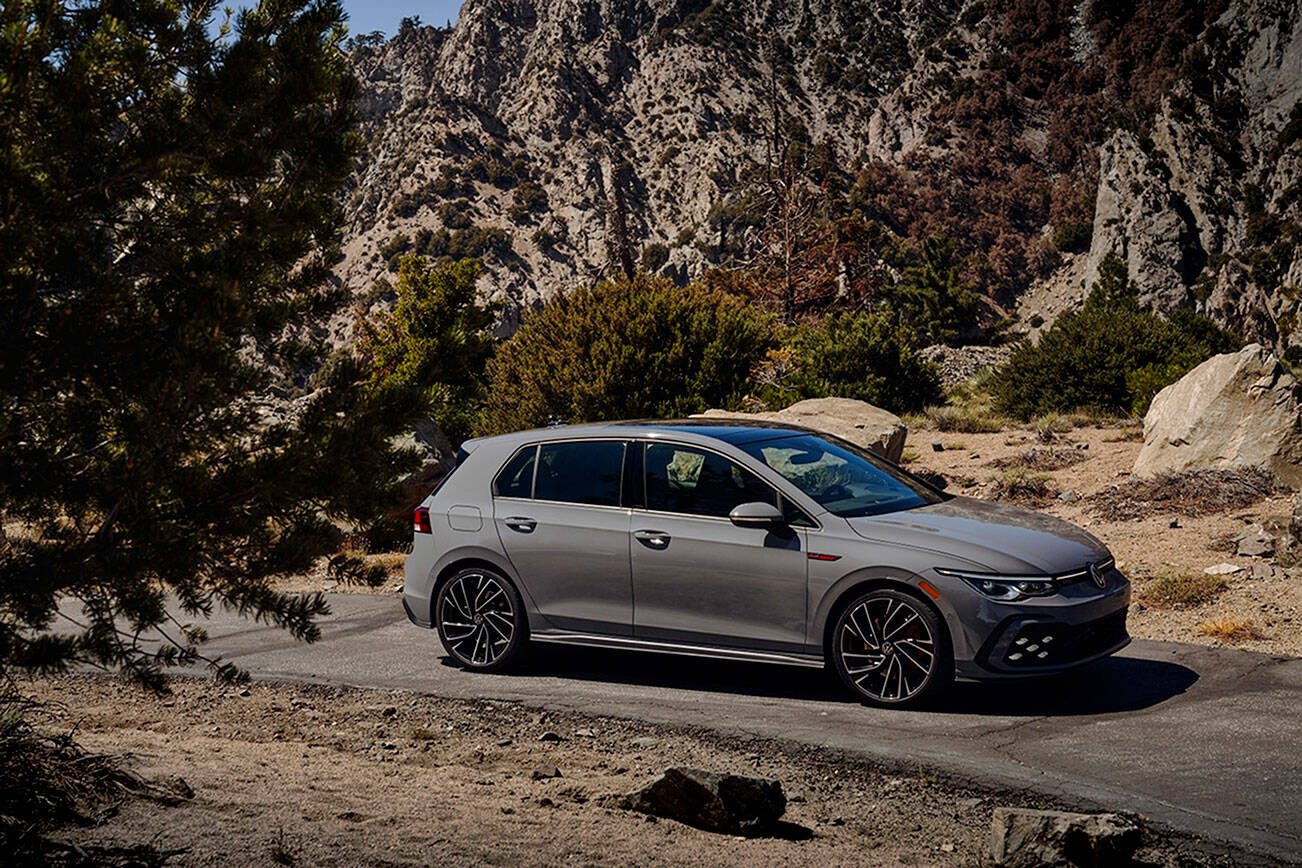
(521, 524)
(656, 539)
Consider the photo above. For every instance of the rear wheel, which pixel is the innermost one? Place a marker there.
(480, 619)
(892, 650)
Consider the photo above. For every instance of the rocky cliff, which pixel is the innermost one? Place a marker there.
(560, 139)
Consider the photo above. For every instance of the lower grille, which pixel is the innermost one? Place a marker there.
(1046, 643)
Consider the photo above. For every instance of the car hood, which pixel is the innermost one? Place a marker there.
(989, 536)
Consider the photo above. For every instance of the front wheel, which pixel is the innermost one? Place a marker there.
(481, 620)
(892, 650)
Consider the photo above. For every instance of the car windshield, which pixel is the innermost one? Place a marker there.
(845, 480)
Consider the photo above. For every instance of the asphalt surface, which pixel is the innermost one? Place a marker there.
(1203, 740)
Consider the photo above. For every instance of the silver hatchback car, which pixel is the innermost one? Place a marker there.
(751, 542)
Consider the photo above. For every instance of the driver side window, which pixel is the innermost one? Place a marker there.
(696, 482)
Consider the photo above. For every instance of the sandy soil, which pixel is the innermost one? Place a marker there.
(330, 776)
(1145, 548)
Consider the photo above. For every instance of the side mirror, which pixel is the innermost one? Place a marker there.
(758, 515)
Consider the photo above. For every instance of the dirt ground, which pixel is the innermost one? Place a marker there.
(294, 774)
(1145, 548)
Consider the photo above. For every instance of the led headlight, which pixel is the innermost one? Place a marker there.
(1007, 589)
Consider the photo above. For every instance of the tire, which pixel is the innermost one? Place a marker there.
(480, 620)
(880, 643)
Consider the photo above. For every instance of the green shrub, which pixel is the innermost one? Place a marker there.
(436, 339)
(625, 349)
(1111, 356)
(867, 356)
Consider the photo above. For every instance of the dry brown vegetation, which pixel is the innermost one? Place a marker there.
(1230, 630)
(1193, 493)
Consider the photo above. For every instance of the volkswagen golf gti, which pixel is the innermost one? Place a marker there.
(753, 542)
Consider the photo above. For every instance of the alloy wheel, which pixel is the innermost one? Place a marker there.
(887, 649)
(477, 618)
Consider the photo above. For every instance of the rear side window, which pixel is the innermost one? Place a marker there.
(586, 472)
(516, 478)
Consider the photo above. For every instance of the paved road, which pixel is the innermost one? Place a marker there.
(1204, 740)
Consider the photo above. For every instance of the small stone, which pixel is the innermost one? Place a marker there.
(796, 799)
(1255, 543)
(644, 743)
(947, 848)
(1175, 522)
(836, 821)
(585, 733)
(507, 809)
(937, 446)
(545, 773)
(1069, 496)
(244, 691)
(1224, 569)
(504, 742)
(1137, 608)
(969, 803)
(549, 735)
(546, 802)
(1082, 447)
(390, 711)
(1262, 572)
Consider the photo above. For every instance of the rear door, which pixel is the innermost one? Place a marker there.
(699, 578)
(557, 507)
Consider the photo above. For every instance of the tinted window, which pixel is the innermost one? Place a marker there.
(697, 482)
(580, 472)
(846, 480)
(516, 478)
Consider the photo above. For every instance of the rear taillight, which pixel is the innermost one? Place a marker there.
(420, 520)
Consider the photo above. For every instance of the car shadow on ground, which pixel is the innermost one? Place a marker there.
(1111, 685)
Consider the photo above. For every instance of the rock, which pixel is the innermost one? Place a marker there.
(644, 742)
(1234, 411)
(859, 422)
(549, 736)
(1223, 570)
(1262, 572)
(504, 742)
(960, 364)
(390, 711)
(545, 773)
(1138, 608)
(1024, 837)
(585, 733)
(1173, 523)
(1255, 543)
(1069, 496)
(731, 804)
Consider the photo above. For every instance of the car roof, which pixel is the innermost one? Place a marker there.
(732, 431)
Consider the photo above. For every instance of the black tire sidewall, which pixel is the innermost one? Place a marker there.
(519, 636)
(941, 676)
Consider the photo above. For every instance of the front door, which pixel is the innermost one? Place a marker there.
(699, 578)
(558, 513)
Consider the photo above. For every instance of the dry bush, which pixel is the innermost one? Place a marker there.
(48, 781)
(1230, 630)
(1182, 590)
(1042, 458)
(1021, 486)
(1191, 493)
(959, 419)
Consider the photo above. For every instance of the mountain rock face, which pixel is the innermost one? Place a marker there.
(560, 140)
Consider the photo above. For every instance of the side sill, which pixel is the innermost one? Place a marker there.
(716, 653)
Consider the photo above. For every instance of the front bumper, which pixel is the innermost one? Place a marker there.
(1043, 637)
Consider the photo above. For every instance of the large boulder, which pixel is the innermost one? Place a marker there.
(1234, 411)
(859, 422)
(1025, 838)
(732, 804)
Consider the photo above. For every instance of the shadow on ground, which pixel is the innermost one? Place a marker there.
(1115, 684)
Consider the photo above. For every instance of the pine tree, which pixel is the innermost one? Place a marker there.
(167, 212)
